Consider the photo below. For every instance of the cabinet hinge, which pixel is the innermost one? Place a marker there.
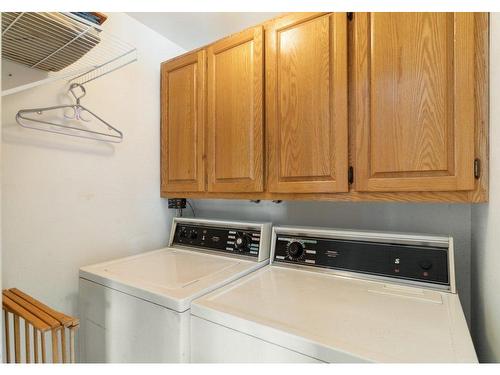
(350, 16)
(477, 168)
(350, 175)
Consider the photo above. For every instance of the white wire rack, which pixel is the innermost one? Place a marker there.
(61, 46)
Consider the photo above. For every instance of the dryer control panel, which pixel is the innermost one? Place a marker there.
(231, 238)
(414, 260)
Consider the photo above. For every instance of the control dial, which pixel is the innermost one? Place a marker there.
(183, 232)
(242, 242)
(295, 250)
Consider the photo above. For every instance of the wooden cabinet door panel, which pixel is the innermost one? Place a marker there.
(306, 103)
(413, 101)
(183, 115)
(235, 123)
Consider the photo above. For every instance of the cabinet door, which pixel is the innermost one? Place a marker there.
(235, 125)
(182, 123)
(306, 103)
(413, 101)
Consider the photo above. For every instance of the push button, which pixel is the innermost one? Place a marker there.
(426, 265)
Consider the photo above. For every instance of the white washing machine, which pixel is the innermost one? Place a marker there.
(136, 309)
(338, 296)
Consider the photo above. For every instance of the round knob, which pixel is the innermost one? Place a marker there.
(242, 241)
(426, 265)
(295, 250)
(193, 234)
(183, 232)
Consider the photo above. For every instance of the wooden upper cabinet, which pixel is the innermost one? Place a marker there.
(182, 123)
(306, 103)
(413, 98)
(235, 108)
(402, 98)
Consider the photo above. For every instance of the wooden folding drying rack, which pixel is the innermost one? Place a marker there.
(44, 321)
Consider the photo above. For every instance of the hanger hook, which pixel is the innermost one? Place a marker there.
(73, 87)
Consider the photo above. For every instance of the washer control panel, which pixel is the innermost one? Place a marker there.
(234, 240)
(416, 262)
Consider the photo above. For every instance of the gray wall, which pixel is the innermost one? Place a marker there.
(453, 219)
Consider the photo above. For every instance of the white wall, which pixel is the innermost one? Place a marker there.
(451, 219)
(68, 202)
(486, 227)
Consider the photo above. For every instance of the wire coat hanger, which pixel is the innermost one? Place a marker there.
(74, 116)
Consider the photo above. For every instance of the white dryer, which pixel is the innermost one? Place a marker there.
(136, 309)
(338, 296)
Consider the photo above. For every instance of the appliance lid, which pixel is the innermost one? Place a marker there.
(169, 277)
(336, 318)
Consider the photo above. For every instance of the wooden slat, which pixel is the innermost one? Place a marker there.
(63, 345)
(35, 344)
(27, 341)
(72, 344)
(7, 335)
(52, 322)
(17, 340)
(55, 349)
(65, 320)
(21, 311)
(44, 355)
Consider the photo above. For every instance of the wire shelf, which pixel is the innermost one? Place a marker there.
(60, 46)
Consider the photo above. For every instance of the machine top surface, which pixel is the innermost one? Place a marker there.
(174, 276)
(339, 295)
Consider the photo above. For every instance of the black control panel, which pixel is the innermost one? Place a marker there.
(226, 240)
(411, 262)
